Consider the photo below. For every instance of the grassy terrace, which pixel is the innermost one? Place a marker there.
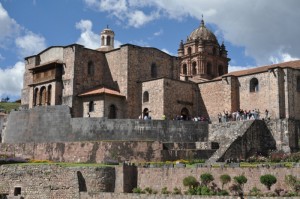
(8, 106)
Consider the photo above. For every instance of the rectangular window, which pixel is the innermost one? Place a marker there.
(17, 191)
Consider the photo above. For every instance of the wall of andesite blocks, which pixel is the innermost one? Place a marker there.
(52, 181)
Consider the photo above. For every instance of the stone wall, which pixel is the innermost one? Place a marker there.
(241, 140)
(164, 196)
(51, 181)
(286, 133)
(215, 97)
(54, 124)
(3, 119)
(157, 178)
(86, 152)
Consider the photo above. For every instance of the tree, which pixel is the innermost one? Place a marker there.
(240, 180)
(190, 182)
(206, 178)
(268, 180)
(225, 178)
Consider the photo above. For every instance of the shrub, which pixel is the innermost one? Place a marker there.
(235, 189)
(225, 178)
(164, 190)
(137, 190)
(292, 182)
(176, 191)
(206, 178)
(268, 180)
(190, 182)
(149, 190)
(240, 180)
(255, 192)
(223, 193)
(205, 191)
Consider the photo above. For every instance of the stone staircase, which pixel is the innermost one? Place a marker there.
(225, 134)
(187, 151)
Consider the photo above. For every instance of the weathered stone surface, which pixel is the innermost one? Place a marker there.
(51, 181)
(54, 124)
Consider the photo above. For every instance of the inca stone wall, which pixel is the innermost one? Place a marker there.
(3, 119)
(54, 124)
(86, 152)
(52, 181)
(241, 140)
(157, 178)
(163, 196)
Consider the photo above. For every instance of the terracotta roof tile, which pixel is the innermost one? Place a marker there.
(100, 91)
(291, 64)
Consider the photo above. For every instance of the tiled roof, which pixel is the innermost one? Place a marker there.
(291, 64)
(99, 91)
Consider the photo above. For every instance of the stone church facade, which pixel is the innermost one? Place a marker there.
(130, 81)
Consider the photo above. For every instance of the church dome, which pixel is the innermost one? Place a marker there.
(202, 33)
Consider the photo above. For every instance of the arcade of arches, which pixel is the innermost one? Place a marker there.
(42, 96)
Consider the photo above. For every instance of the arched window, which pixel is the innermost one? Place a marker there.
(35, 96)
(209, 68)
(112, 112)
(254, 86)
(184, 69)
(146, 96)
(189, 50)
(43, 96)
(49, 94)
(81, 182)
(220, 70)
(102, 41)
(194, 68)
(184, 113)
(153, 70)
(91, 106)
(108, 40)
(90, 68)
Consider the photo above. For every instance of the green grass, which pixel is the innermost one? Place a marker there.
(8, 106)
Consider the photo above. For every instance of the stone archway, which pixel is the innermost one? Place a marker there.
(184, 113)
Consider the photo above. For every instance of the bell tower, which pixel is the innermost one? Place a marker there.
(107, 38)
(201, 56)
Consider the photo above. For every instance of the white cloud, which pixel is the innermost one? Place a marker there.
(11, 80)
(166, 51)
(138, 18)
(30, 44)
(160, 32)
(238, 68)
(282, 57)
(124, 10)
(261, 27)
(117, 44)
(9, 27)
(87, 37)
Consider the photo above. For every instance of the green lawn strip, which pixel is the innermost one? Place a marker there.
(8, 106)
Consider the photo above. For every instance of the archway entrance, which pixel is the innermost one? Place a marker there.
(145, 112)
(184, 114)
(112, 112)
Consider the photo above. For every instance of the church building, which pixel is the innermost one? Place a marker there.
(133, 81)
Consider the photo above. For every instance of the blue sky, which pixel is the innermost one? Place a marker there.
(256, 32)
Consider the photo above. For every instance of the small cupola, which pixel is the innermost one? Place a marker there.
(107, 38)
